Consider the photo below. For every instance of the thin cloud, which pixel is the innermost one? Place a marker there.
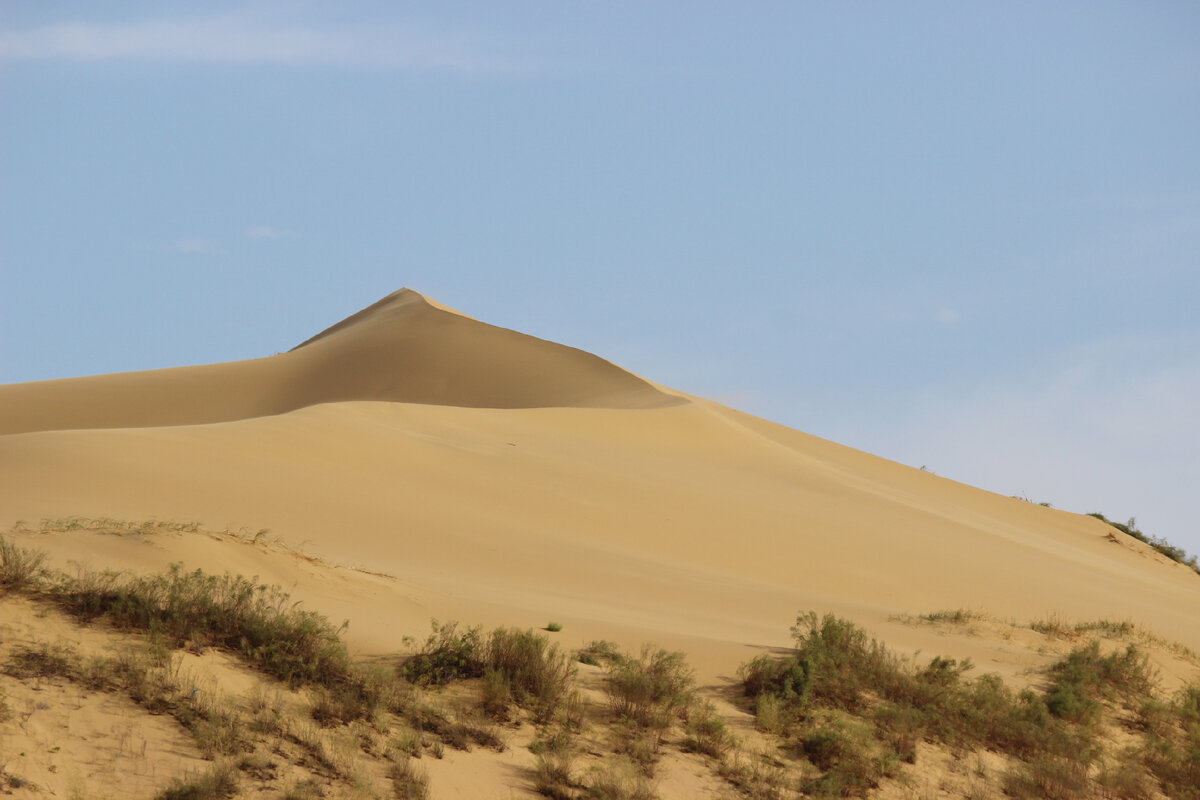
(194, 245)
(1109, 427)
(252, 40)
(267, 232)
(948, 316)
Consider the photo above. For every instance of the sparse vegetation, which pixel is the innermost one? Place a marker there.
(218, 783)
(193, 608)
(841, 713)
(19, 568)
(518, 667)
(554, 627)
(598, 653)
(854, 710)
(409, 782)
(1169, 550)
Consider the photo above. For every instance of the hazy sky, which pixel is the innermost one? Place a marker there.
(961, 235)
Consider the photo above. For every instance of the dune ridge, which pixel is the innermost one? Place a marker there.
(403, 348)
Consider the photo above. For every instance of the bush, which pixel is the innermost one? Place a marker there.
(408, 781)
(599, 652)
(537, 675)
(20, 569)
(219, 782)
(447, 656)
(650, 690)
(258, 622)
(1048, 778)
(706, 731)
(1084, 676)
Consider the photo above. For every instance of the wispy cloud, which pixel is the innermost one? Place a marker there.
(241, 38)
(1108, 427)
(195, 245)
(948, 316)
(267, 232)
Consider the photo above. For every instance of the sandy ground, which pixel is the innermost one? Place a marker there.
(411, 462)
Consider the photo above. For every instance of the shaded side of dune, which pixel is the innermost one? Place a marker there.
(402, 349)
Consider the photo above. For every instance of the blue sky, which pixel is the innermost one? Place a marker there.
(965, 236)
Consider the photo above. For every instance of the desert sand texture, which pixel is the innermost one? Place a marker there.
(412, 463)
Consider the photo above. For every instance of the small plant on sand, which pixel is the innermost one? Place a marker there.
(20, 568)
(651, 690)
(409, 782)
(218, 783)
(448, 655)
(554, 627)
(599, 652)
(518, 667)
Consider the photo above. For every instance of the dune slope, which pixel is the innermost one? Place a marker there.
(501, 479)
(402, 349)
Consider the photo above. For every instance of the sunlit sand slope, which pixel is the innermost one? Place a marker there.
(402, 349)
(502, 479)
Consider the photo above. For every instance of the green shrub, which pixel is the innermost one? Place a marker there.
(258, 622)
(538, 675)
(652, 689)
(1085, 676)
(599, 652)
(706, 731)
(448, 655)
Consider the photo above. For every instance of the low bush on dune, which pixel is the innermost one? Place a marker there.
(1169, 550)
(218, 783)
(818, 698)
(518, 667)
(259, 622)
(20, 568)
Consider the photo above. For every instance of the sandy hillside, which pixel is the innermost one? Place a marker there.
(496, 477)
(411, 463)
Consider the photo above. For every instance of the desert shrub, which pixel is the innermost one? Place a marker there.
(408, 781)
(650, 690)
(20, 568)
(769, 713)
(1085, 676)
(537, 674)
(705, 731)
(554, 772)
(257, 622)
(1173, 756)
(599, 652)
(219, 782)
(1047, 777)
(900, 728)
(618, 781)
(848, 764)
(42, 661)
(1125, 780)
(836, 667)
(448, 655)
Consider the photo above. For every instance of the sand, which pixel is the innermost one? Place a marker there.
(432, 465)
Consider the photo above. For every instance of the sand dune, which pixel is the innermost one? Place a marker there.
(411, 462)
(501, 478)
(402, 349)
